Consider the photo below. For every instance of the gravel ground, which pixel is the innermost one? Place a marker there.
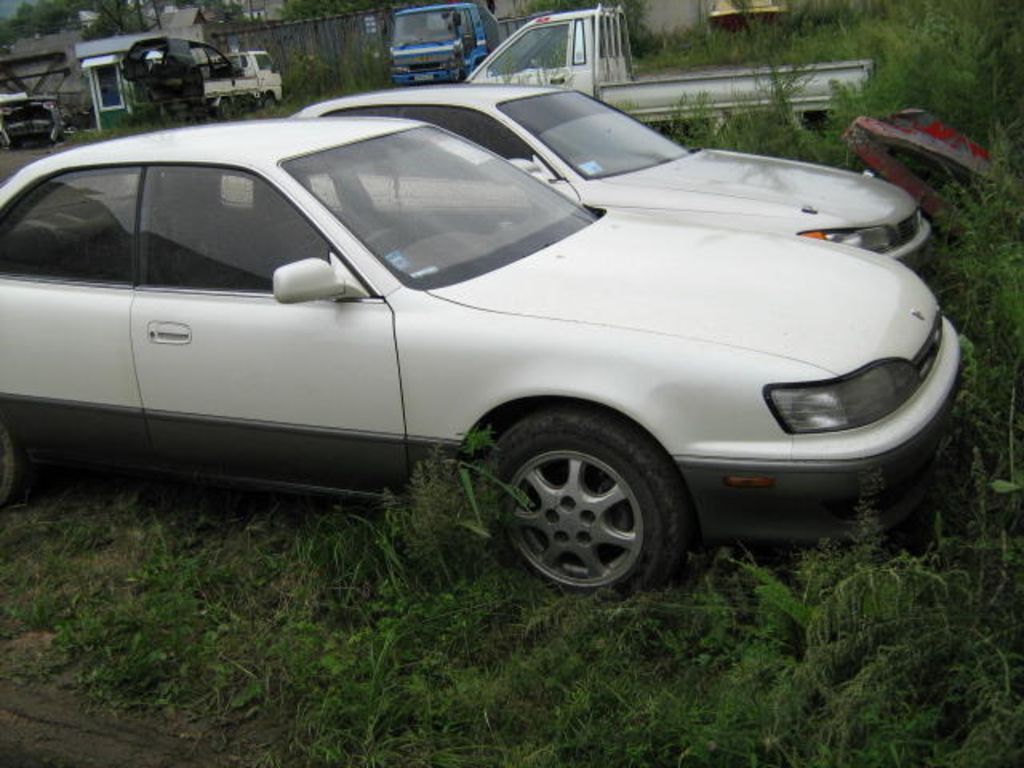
(13, 159)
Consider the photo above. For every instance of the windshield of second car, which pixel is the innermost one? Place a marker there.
(596, 140)
(435, 209)
(423, 27)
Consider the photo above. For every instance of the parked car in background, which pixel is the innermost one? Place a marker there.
(257, 68)
(600, 157)
(441, 43)
(316, 305)
(29, 118)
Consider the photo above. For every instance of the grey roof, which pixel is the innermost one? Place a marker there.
(106, 45)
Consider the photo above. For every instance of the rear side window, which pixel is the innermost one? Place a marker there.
(219, 229)
(462, 121)
(77, 227)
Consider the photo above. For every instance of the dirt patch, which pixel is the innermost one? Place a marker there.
(49, 727)
(12, 160)
(46, 725)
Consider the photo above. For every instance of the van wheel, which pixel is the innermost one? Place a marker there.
(604, 505)
(14, 469)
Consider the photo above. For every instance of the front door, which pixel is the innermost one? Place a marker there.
(234, 383)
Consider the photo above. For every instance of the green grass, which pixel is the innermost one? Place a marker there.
(396, 635)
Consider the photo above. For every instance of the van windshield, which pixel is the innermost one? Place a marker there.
(423, 27)
(595, 139)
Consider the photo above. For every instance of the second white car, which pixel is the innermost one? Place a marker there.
(605, 159)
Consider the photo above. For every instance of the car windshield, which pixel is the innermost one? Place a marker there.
(423, 27)
(435, 209)
(596, 140)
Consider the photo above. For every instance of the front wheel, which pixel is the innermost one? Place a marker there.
(14, 468)
(605, 505)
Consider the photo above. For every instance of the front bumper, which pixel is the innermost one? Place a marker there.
(425, 76)
(815, 498)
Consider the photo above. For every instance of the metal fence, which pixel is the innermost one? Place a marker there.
(317, 55)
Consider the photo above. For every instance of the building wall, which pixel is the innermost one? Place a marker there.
(67, 86)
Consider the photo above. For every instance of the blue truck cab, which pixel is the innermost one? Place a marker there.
(440, 43)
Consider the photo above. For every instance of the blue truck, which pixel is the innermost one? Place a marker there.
(441, 43)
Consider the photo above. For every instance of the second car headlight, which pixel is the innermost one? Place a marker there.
(877, 239)
(844, 403)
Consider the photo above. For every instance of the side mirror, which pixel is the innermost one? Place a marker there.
(313, 280)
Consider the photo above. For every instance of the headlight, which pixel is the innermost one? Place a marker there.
(844, 403)
(877, 239)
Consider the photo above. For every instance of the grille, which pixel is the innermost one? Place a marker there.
(426, 65)
(901, 233)
(905, 230)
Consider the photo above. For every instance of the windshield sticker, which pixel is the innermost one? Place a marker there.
(591, 167)
(397, 260)
(423, 272)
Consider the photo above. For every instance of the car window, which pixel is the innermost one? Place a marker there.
(544, 47)
(468, 123)
(77, 226)
(579, 45)
(219, 229)
(435, 209)
(595, 139)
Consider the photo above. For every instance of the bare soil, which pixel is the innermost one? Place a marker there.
(47, 725)
(12, 160)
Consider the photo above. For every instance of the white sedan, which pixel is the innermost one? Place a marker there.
(600, 157)
(316, 305)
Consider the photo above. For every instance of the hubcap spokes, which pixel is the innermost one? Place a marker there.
(583, 526)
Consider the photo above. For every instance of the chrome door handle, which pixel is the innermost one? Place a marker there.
(169, 333)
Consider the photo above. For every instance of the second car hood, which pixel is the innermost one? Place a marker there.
(823, 305)
(708, 178)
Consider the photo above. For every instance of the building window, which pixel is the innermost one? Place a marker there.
(109, 87)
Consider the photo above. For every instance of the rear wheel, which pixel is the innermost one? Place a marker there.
(14, 469)
(606, 506)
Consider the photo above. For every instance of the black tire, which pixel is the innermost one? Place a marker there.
(608, 506)
(14, 469)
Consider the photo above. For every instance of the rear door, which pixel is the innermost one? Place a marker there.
(67, 384)
(236, 384)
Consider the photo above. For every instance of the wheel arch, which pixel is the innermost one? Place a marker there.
(502, 417)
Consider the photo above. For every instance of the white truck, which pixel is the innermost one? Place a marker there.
(589, 51)
(257, 69)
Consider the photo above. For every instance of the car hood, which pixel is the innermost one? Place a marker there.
(827, 306)
(814, 195)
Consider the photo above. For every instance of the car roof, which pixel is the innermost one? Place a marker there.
(252, 143)
(463, 95)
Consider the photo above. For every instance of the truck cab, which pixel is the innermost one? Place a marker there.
(578, 49)
(440, 43)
